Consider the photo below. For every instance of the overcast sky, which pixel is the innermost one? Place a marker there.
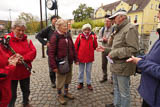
(65, 7)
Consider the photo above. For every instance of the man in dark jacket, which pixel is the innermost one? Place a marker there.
(46, 34)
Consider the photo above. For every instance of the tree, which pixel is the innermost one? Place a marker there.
(32, 22)
(82, 13)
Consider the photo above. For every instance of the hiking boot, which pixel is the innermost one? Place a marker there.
(103, 80)
(70, 96)
(89, 87)
(53, 85)
(62, 100)
(110, 105)
(80, 86)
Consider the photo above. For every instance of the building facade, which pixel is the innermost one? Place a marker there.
(141, 12)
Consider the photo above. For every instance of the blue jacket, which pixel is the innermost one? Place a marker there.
(149, 88)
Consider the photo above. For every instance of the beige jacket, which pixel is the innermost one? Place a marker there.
(125, 44)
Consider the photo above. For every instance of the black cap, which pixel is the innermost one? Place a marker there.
(54, 16)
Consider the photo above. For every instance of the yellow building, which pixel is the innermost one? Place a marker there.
(141, 12)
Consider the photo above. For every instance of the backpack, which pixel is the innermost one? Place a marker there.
(103, 31)
(92, 33)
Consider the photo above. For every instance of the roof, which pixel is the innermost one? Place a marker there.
(110, 6)
(141, 4)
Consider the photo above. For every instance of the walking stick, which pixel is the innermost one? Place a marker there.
(5, 43)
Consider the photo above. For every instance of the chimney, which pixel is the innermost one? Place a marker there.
(101, 4)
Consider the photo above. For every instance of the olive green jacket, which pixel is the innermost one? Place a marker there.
(125, 44)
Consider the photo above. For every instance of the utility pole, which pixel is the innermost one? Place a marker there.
(46, 13)
(41, 23)
(10, 20)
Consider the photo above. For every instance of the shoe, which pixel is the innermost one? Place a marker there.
(110, 105)
(53, 85)
(80, 86)
(27, 105)
(112, 93)
(61, 100)
(70, 96)
(89, 87)
(103, 80)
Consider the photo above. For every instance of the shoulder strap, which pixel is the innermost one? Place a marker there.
(28, 41)
(57, 40)
(103, 31)
(80, 37)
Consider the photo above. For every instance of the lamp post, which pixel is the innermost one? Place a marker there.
(41, 24)
(46, 13)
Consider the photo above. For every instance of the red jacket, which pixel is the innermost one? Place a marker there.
(86, 48)
(5, 83)
(25, 48)
(62, 49)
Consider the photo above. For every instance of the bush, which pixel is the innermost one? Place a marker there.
(78, 25)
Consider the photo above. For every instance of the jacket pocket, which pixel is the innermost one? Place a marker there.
(117, 67)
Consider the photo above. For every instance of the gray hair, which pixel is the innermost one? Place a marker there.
(18, 23)
(59, 22)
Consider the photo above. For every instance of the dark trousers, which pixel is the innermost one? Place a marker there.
(24, 85)
(52, 74)
(104, 64)
(145, 104)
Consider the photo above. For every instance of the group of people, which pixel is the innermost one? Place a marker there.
(120, 45)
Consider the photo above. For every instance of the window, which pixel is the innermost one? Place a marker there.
(151, 6)
(136, 18)
(134, 7)
(99, 14)
(155, 18)
(129, 18)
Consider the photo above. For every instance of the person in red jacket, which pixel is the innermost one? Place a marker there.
(24, 48)
(85, 45)
(7, 66)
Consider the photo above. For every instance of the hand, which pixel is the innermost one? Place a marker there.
(13, 60)
(134, 59)
(55, 70)
(105, 39)
(48, 44)
(109, 56)
(77, 63)
(100, 49)
(20, 58)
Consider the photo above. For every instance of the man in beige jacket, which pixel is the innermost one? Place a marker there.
(125, 44)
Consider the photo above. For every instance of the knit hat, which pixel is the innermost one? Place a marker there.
(86, 26)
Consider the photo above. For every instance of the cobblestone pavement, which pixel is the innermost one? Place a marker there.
(43, 95)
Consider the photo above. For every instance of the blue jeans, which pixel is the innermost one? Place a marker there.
(88, 72)
(121, 90)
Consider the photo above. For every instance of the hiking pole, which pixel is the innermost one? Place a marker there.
(5, 43)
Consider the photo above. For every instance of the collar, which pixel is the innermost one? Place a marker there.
(125, 22)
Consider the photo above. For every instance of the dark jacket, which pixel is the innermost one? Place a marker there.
(45, 34)
(62, 49)
(149, 87)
